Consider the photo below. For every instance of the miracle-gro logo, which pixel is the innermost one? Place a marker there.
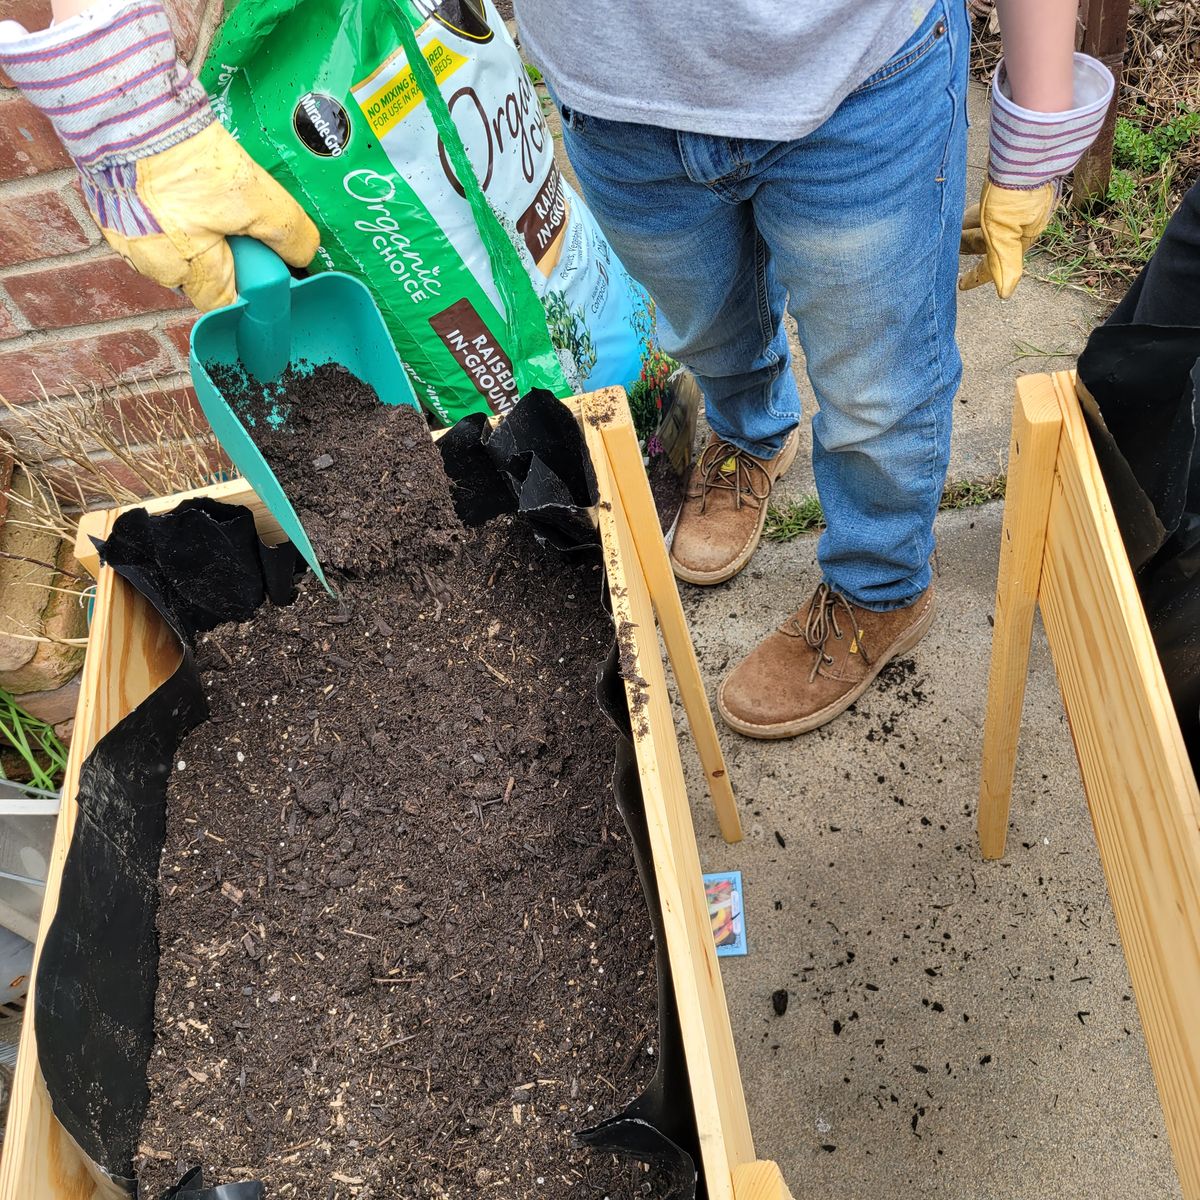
(322, 124)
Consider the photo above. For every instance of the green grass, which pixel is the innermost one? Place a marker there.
(1110, 240)
(35, 742)
(1029, 350)
(1143, 207)
(793, 519)
(796, 517)
(971, 493)
(535, 76)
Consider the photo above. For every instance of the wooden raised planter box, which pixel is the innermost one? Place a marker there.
(1061, 551)
(131, 652)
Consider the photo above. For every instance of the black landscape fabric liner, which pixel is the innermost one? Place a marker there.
(1141, 399)
(200, 566)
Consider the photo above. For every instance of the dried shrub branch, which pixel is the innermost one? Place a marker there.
(114, 445)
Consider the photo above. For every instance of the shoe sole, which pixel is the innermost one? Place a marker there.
(709, 578)
(786, 729)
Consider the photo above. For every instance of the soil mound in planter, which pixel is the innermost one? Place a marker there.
(404, 950)
(360, 474)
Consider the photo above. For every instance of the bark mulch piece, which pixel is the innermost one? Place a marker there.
(404, 950)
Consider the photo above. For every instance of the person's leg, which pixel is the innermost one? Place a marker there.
(863, 218)
(688, 237)
(673, 207)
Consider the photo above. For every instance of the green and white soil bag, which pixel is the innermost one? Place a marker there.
(431, 176)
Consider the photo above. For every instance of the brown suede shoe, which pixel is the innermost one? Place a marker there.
(817, 663)
(724, 511)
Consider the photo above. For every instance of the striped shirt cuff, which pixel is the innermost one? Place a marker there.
(1031, 148)
(110, 81)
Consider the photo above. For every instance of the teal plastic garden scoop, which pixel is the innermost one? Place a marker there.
(275, 322)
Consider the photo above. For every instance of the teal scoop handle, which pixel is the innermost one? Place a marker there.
(264, 333)
(257, 328)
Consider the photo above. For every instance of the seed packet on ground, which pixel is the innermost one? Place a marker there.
(724, 892)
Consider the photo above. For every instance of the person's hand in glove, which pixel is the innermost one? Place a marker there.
(1001, 227)
(1047, 108)
(164, 181)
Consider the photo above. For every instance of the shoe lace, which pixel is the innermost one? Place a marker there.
(821, 620)
(725, 467)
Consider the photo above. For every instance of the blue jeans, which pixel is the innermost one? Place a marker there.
(854, 230)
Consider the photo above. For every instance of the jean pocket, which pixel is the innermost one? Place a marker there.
(933, 30)
(572, 118)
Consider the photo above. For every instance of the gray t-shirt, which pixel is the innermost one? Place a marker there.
(772, 69)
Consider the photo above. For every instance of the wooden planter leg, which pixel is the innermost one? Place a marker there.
(629, 474)
(1037, 423)
(760, 1180)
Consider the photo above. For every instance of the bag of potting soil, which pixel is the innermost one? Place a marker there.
(413, 136)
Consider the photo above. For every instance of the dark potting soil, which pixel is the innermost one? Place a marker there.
(350, 465)
(404, 950)
(667, 488)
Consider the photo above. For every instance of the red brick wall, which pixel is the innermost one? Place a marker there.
(72, 312)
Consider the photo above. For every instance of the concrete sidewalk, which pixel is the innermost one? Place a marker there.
(956, 1028)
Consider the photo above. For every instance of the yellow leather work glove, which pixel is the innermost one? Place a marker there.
(163, 179)
(1001, 227)
(198, 192)
(1028, 152)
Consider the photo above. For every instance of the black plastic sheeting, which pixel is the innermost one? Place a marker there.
(1141, 399)
(199, 566)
